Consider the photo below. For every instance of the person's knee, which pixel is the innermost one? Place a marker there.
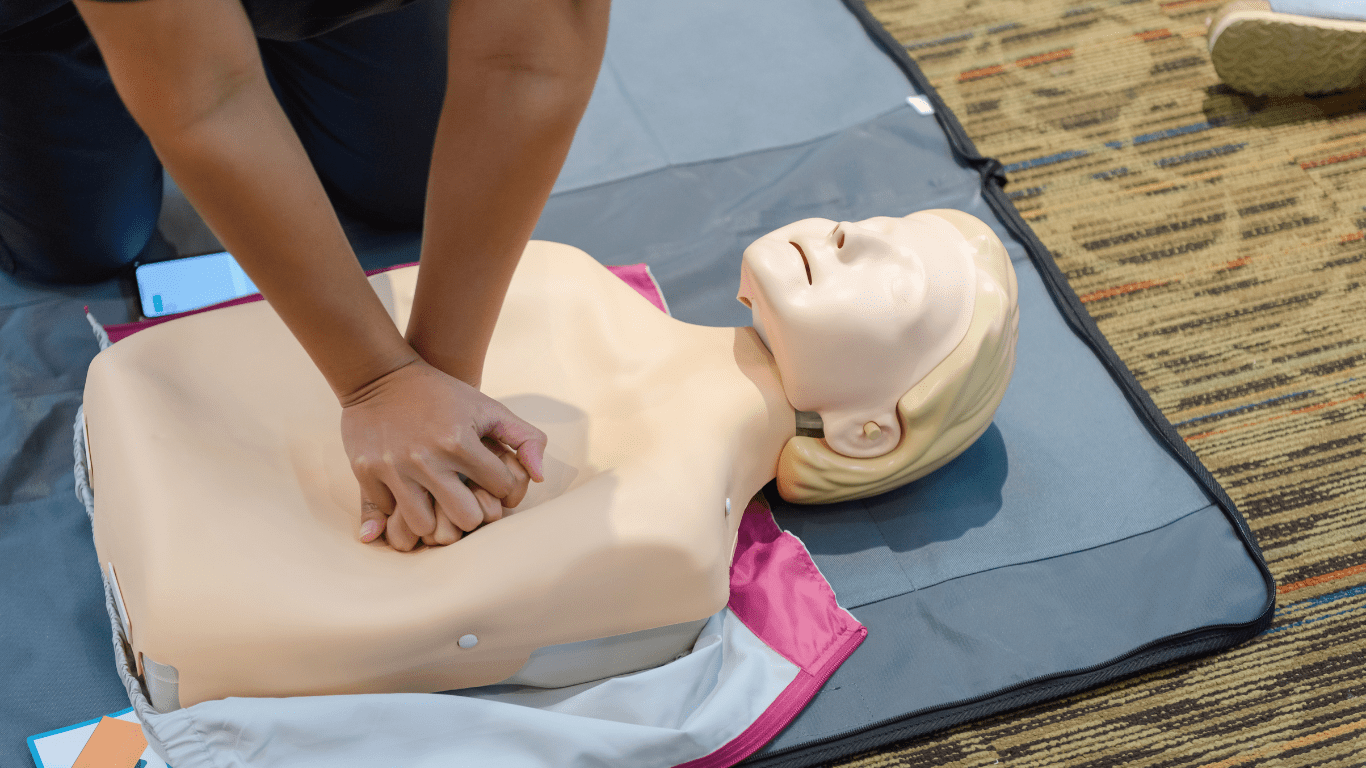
(80, 185)
(77, 223)
(87, 253)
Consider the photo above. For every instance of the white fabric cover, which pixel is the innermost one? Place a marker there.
(660, 717)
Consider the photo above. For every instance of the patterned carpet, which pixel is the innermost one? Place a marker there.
(1220, 243)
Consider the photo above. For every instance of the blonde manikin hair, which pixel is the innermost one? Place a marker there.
(943, 413)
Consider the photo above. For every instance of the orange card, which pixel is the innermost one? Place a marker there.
(114, 744)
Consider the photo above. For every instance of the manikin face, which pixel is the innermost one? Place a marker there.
(856, 313)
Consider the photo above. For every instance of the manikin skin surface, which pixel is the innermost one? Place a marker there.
(225, 502)
(903, 287)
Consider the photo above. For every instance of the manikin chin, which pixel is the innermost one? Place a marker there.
(226, 511)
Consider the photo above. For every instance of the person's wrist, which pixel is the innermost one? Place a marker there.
(383, 370)
(455, 365)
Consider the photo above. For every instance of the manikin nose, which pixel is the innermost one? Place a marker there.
(854, 243)
(850, 242)
(839, 234)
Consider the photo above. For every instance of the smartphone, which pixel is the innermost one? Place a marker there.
(192, 282)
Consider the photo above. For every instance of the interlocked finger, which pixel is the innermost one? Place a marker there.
(485, 467)
(520, 477)
(414, 504)
(446, 532)
(400, 537)
(491, 506)
(451, 496)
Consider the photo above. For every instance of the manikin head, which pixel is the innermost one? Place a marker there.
(899, 332)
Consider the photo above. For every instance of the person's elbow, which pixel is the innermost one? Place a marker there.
(176, 65)
(546, 76)
(556, 56)
(186, 107)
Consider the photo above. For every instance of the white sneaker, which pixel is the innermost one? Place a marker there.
(1260, 48)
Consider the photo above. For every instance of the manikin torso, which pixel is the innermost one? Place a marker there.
(228, 453)
(226, 510)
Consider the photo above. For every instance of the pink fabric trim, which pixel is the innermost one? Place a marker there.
(787, 706)
(638, 277)
(124, 330)
(635, 275)
(780, 596)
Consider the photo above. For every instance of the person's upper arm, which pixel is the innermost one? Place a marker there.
(174, 61)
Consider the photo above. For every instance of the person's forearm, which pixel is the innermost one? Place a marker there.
(190, 73)
(247, 174)
(513, 100)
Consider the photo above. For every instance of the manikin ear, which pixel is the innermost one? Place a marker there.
(862, 433)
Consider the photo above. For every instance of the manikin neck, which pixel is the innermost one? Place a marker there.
(758, 407)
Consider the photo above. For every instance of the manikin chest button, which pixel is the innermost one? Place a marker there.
(468, 641)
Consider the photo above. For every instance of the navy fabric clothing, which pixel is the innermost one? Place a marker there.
(36, 23)
(80, 187)
(302, 19)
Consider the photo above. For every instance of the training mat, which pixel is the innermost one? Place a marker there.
(961, 623)
(1076, 542)
(1217, 240)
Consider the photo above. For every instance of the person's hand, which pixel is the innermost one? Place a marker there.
(412, 433)
(400, 535)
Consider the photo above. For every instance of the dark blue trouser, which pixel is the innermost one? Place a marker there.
(80, 187)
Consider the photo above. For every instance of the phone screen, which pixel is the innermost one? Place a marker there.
(180, 285)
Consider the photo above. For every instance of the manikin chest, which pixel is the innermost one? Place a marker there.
(226, 506)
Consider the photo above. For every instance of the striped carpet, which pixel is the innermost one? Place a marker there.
(1220, 243)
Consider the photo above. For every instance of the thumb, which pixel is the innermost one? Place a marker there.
(528, 441)
(372, 521)
(375, 505)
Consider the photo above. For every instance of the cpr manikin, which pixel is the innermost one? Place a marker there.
(226, 510)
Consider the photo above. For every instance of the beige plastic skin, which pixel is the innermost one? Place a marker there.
(227, 505)
(945, 412)
(856, 312)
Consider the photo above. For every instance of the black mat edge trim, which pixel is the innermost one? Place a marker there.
(1187, 645)
(1166, 650)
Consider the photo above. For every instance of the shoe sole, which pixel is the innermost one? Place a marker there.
(1280, 54)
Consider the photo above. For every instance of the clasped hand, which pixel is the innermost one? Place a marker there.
(412, 433)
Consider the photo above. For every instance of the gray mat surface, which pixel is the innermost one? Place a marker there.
(1063, 538)
(687, 82)
(1067, 537)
